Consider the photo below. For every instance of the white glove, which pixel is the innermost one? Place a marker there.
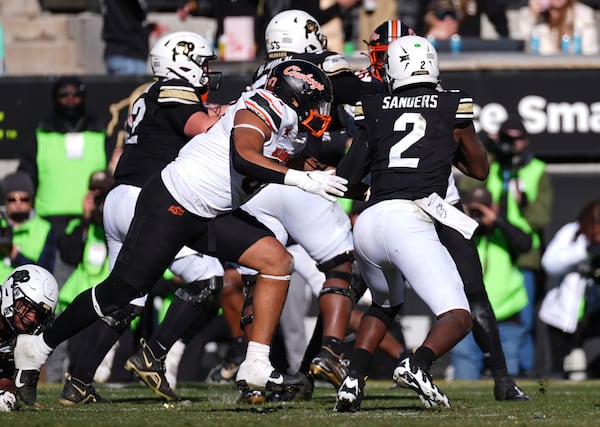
(322, 183)
(7, 401)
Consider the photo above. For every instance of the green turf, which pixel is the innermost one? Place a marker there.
(554, 403)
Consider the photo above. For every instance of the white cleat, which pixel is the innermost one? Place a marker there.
(411, 376)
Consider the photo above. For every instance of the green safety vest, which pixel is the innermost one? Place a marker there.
(65, 163)
(30, 237)
(92, 269)
(504, 281)
(530, 175)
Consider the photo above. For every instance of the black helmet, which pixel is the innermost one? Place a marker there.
(307, 89)
(377, 45)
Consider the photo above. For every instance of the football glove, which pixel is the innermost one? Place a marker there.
(322, 183)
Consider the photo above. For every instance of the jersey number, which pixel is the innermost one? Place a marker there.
(137, 114)
(417, 132)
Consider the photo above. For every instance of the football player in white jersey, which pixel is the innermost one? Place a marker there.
(193, 202)
(162, 119)
(410, 138)
(319, 227)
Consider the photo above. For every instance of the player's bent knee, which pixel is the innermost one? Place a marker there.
(113, 294)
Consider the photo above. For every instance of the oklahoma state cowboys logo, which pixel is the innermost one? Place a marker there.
(294, 71)
(176, 210)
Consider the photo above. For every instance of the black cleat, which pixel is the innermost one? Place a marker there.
(506, 389)
(329, 366)
(151, 371)
(76, 392)
(26, 384)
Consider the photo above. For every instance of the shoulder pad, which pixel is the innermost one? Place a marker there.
(177, 91)
(335, 64)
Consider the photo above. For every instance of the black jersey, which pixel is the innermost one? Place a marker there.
(407, 141)
(155, 129)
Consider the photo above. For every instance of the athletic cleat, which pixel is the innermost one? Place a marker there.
(76, 392)
(410, 376)
(30, 353)
(506, 389)
(26, 385)
(329, 366)
(350, 394)
(297, 387)
(258, 382)
(151, 371)
(223, 373)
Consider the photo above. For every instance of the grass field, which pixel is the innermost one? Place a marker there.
(554, 403)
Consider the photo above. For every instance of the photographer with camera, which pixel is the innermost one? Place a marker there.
(521, 187)
(25, 237)
(499, 245)
(572, 308)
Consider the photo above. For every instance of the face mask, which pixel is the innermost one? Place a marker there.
(19, 216)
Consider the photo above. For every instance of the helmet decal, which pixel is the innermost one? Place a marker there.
(294, 71)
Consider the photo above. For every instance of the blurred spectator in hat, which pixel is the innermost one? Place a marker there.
(25, 238)
(69, 145)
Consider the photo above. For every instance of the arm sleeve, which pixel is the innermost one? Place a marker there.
(355, 165)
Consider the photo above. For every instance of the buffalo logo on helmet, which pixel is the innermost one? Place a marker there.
(311, 27)
(183, 48)
(294, 71)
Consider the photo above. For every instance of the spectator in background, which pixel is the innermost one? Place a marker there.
(442, 20)
(499, 244)
(31, 239)
(445, 18)
(572, 309)
(69, 145)
(521, 187)
(125, 32)
(552, 20)
(238, 23)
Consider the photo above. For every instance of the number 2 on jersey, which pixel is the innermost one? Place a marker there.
(418, 131)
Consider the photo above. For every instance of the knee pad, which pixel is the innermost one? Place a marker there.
(335, 261)
(249, 282)
(386, 315)
(120, 319)
(201, 293)
(336, 290)
(112, 294)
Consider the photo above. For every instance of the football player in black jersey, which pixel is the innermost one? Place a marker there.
(410, 137)
(464, 252)
(162, 118)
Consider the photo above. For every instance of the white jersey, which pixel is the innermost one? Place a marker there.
(202, 178)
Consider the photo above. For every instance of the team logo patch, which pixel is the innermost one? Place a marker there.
(176, 210)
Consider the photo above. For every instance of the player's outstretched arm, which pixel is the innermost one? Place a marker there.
(471, 157)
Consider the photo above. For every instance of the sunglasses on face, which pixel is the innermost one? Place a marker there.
(18, 199)
(441, 15)
(65, 93)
